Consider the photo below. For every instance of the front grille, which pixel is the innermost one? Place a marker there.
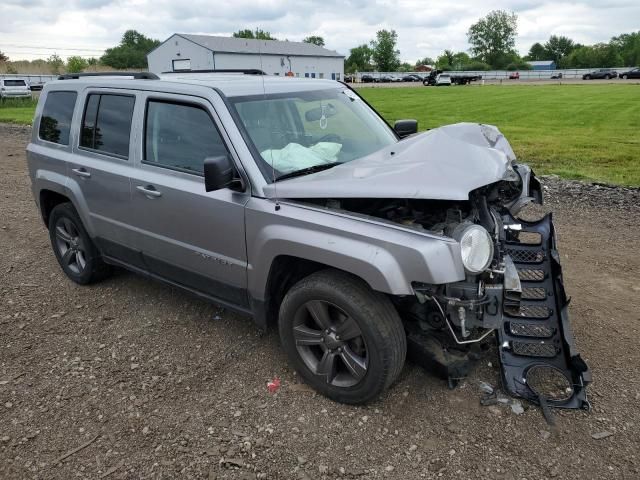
(525, 256)
(530, 330)
(531, 275)
(534, 349)
(529, 311)
(534, 293)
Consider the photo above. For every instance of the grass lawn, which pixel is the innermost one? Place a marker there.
(589, 132)
(18, 110)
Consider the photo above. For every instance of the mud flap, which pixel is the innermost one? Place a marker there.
(537, 351)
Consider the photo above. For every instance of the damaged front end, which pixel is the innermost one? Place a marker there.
(514, 289)
(520, 296)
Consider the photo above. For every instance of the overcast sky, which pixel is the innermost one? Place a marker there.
(36, 28)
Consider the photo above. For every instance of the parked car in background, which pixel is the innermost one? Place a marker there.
(386, 79)
(14, 88)
(411, 78)
(633, 73)
(514, 76)
(443, 80)
(601, 73)
(367, 79)
(556, 76)
(348, 78)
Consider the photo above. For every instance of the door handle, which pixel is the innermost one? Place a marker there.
(149, 191)
(81, 172)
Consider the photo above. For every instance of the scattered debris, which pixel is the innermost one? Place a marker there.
(601, 435)
(273, 385)
(112, 470)
(75, 450)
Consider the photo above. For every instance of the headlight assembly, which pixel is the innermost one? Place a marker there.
(476, 247)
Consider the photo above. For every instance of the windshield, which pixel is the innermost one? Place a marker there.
(15, 83)
(302, 130)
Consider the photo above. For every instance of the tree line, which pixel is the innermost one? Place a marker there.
(491, 39)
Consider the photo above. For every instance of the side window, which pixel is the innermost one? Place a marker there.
(106, 125)
(180, 136)
(55, 123)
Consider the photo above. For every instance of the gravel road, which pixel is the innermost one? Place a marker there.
(133, 379)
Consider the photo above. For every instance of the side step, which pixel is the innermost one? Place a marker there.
(536, 344)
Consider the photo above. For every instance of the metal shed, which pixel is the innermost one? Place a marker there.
(542, 64)
(186, 52)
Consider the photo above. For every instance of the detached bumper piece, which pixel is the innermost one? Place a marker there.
(537, 351)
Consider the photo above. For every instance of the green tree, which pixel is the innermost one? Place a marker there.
(537, 52)
(76, 64)
(316, 40)
(405, 67)
(359, 59)
(3, 57)
(425, 61)
(558, 47)
(258, 34)
(385, 55)
(493, 37)
(131, 52)
(628, 45)
(55, 64)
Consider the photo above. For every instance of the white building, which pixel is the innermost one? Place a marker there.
(185, 52)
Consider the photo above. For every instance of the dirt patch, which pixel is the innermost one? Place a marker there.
(134, 379)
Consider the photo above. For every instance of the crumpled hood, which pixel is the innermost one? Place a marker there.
(445, 163)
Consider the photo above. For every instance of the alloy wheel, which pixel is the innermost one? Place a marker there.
(330, 343)
(70, 245)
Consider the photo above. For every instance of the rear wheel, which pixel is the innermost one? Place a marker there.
(74, 249)
(344, 339)
(607, 77)
(587, 77)
(623, 77)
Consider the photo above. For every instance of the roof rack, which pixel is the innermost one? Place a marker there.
(245, 71)
(135, 75)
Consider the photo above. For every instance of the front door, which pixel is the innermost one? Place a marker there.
(189, 236)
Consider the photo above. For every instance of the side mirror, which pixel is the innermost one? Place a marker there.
(404, 128)
(218, 172)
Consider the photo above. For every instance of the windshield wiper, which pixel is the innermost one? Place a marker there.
(307, 171)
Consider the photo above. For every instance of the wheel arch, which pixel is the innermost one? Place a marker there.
(284, 272)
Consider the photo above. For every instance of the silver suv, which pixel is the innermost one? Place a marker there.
(292, 201)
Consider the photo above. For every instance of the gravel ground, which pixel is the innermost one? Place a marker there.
(134, 379)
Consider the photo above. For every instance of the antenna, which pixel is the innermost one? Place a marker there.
(268, 120)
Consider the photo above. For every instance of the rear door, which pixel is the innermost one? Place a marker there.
(189, 236)
(101, 166)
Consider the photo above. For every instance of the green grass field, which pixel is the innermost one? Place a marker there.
(17, 110)
(589, 132)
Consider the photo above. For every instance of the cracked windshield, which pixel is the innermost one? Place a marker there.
(311, 130)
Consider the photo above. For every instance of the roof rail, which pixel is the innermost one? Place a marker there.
(245, 71)
(135, 75)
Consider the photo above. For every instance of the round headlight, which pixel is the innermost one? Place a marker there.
(476, 247)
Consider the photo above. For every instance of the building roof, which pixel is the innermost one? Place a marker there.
(542, 63)
(253, 46)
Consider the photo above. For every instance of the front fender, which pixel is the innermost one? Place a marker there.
(388, 258)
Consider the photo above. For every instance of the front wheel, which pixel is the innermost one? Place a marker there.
(588, 77)
(623, 77)
(344, 339)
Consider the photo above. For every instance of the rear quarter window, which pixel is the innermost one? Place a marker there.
(55, 122)
(15, 83)
(106, 124)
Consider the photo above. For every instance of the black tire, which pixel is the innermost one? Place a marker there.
(607, 77)
(623, 77)
(587, 77)
(75, 251)
(380, 329)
